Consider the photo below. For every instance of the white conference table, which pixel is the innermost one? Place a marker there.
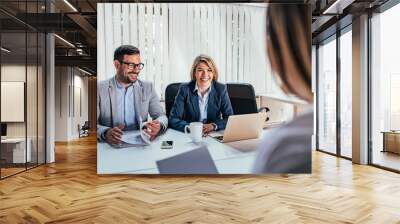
(229, 158)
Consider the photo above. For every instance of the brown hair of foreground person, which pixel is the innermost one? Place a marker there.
(289, 47)
(287, 149)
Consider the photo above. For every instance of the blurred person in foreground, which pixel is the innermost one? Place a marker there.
(287, 149)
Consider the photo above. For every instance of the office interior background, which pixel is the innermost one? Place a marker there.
(48, 58)
(48, 84)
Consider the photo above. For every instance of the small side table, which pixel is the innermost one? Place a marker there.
(14, 152)
(391, 141)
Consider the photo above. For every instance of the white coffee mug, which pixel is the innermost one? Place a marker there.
(195, 131)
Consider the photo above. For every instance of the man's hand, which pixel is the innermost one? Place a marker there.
(152, 129)
(207, 128)
(113, 135)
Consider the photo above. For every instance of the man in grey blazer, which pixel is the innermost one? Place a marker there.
(124, 101)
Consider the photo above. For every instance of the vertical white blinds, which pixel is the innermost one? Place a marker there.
(170, 36)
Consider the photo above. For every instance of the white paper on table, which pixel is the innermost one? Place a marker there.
(145, 137)
(135, 138)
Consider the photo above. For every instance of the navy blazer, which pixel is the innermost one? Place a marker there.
(186, 106)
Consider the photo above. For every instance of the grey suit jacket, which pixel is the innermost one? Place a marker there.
(145, 99)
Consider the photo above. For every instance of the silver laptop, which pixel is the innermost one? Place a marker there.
(241, 127)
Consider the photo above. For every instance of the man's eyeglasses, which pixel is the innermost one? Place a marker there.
(133, 65)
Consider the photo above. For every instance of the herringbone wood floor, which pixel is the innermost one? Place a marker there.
(70, 191)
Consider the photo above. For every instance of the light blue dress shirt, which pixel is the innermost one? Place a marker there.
(125, 106)
(203, 102)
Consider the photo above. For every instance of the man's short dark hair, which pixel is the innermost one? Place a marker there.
(123, 50)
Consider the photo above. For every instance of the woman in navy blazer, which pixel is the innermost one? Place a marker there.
(203, 99)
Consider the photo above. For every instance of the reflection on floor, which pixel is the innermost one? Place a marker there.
(70, 191)
(346, 152)
(387, 159)
(10, 169)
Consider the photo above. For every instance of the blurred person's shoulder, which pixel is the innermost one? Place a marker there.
(301, 125)
(287, 149)
(304, 120)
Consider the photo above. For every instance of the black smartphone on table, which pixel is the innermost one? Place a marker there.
(167, 144)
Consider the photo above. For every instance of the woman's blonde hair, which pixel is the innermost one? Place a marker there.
(289, 47)
(209, 62)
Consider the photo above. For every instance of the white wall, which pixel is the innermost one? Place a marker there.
(79, 117)
(70, 84)
(61, 103)
(15, 72)
(33, 126)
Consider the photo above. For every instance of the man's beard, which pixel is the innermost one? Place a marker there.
(125, 77)
(128, 76)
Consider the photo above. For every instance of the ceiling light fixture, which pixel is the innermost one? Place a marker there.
(70, 5)
(337, 7)
(5, 50)
(65, 41)
(84, 71)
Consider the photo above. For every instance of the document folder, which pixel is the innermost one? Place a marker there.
(197, 161)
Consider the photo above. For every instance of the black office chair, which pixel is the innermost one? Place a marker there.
(84, 129)
(170, 93)
(243, 99)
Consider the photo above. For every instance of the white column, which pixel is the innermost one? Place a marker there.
(314, 90)
(50, 97)
(360, 90)
(63, 104)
